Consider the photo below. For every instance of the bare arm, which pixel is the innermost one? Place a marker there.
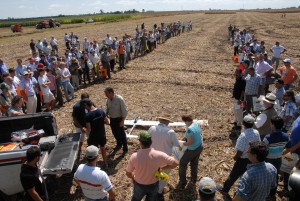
(189, 142)
(112, 195)
(34, 195)
(237, 198)
(88, 127)
(171, 166)
(237, 155)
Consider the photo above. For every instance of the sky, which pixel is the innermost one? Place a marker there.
(39, 8)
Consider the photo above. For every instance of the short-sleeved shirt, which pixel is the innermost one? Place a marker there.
(295, 138)
(276, 142)
(28, 85)
(277, 49)
(279, 94)
(79, 113)
(252, 84)
(30, 178)
(5, 100)
(287, 75)
(242, 143)
(262, 67)
(163, 138)
(42, 80)
(96, 119)
(289, 109)
(116, 107)
(256, 183)
(65, 72)
(145, 162)
(93, 181)
(194, 130)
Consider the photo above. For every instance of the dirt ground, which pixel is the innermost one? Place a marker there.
(191, 73)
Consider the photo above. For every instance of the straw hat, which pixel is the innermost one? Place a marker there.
(270, 98)
(165, 117)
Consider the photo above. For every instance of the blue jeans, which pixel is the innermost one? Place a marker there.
(68, 88)
(89, 199)
(140, 190)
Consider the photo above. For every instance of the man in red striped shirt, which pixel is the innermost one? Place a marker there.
(94, 182)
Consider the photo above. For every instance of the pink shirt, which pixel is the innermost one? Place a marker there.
(145, 162)
(52, 85)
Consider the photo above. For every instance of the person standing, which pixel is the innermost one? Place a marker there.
(279, 91)
(263, 120)
(194, 142)
(277, 50)
(276, 142)
(30, 176)
(105, 60)
(95, 120)
(238, 95)
(78, 115)
(289, 110)
(20, 68)
(121, 54)
(95, 183)
(28, 93)
(207, 189)
(254, 86)
(240, 157)
(116, 111)
(44, 83)
(56, 73)
(260, 177)
(163, 139)
(288, 74)
(65, 80)
(143, 164)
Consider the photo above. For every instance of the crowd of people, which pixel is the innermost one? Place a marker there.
(50, 75)
(265, 134)
(275, 123)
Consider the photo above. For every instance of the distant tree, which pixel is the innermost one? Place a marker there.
(101, 12)
(143, 10)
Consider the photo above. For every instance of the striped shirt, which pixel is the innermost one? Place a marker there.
(289, 109)
(242, 143)
(276, 142)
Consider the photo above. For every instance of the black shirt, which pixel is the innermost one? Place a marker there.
(239, 87)
(96, 119)
(79, 114)
(30, 178)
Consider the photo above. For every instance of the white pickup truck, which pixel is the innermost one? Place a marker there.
(59, 160)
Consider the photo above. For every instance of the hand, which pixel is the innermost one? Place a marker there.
(239, 102)
(122, 123)
(83, 129)
(235, 158)
(285, 151)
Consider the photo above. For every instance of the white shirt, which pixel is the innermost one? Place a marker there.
(108, 40)
(242, 143)
(93, 181)
(163, 138)
(65, 72)
(85, 45)
(43, 80)
(53, 42)
(277, 50)
(262, 67)
(94, 58)
(31, 66)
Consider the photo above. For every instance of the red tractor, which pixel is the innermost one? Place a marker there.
(16, 28)
(47, 24)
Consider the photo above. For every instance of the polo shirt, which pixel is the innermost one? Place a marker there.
(194, 130)
(28, 85)
(277, 49)
(116, 107)
(287, 74)
(276, 141)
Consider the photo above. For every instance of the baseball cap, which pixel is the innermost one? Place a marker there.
(207, 185)
(249, 119)
(3, 85)
(25, 72)
(287, 60)
(91, 152)
(145, 136)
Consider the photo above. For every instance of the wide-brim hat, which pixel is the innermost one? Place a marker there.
(270, 98)
(165, 118)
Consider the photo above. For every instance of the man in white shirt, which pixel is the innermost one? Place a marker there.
(263, 69)
(163, 139)
(95, 61)
(277, 50)
(108, 40)
(44, 83)
(54, 44)
(85, 44)
(94, 182)
(65, 81)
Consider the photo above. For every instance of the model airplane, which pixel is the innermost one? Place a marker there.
(140, 122)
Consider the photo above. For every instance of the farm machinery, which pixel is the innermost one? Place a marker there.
(47, 24)
(16, 28)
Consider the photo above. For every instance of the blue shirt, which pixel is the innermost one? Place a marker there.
(28, 85)
(3, 69)
(295, 138)
(194, 130)
(257, 181)
(276, 141)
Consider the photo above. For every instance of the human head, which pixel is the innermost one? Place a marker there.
(17, 101)
(248, 121)
(289, 95)
(207, 189)
(269, 100)
(277, 43)
(251, 71)
(238, 72)
(287, 62)
(33, 153)
(164, 119)
(145, 139)
(84, 95)
(62, 65)
(25, 75)
(4, 87)
(277, 122)
(88, 104)
(19, 61)
(187, 118)
(279, 83)
(109, 92)
(91, 153)
(257, 151)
